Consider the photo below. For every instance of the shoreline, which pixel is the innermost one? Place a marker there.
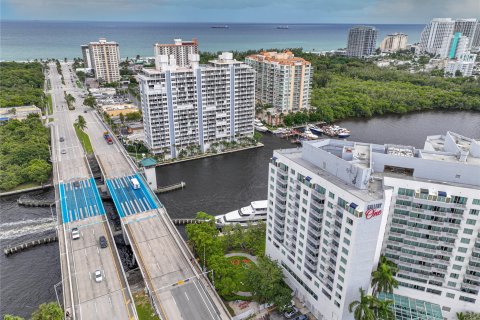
(15, 192)
(209, 155)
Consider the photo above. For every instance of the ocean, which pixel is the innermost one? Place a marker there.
(27, 40)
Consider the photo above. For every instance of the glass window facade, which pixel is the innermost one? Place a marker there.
(406, 308)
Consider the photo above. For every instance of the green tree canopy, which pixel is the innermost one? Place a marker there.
(21, 84)
(383, 279)
(24, 152)
(266, 281)
(48, 311)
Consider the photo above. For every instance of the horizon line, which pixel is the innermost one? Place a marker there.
(206, 22)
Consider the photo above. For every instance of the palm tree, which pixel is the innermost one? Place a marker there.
(390, 263)
(362, 309)
(80, 123)
(382, 310)
(460, 316)
(383, 279)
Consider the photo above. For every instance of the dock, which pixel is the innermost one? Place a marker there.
(171, 187)
(30, 244)
(28, 202)
(187, 221)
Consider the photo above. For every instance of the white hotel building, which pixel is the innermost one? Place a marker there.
(197, 105)
(335, 206)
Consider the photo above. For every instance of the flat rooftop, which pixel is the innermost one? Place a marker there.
(449, 158)
(373, 192)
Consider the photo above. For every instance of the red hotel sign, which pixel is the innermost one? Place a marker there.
(371, 213)
(373, 210)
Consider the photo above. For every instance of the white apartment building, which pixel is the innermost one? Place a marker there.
(467, 27)
(465, 64)
(335, 206)
(362, 41)
(476, 38)
(104, 59)
(433, 35)
(181, 50)
(197, 105)
(394, 42)
(86, 56)
(282, 80)
(454, 46)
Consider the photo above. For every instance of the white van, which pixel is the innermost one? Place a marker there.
(135, 184)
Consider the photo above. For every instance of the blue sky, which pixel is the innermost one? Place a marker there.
(283, 11)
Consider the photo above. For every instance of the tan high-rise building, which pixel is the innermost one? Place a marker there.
(282, 80)
(104, 58)
(394, 42)
(180, 50)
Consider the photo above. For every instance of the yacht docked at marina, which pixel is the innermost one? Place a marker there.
(255, 212)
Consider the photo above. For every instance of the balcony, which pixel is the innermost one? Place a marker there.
(281, 196)
(312, 246)
(312, 267)
(312, 257)
(472, 277)
(281, 177)
(474, 259)
(316, 202)
(315, 223)
(316, 213)
(278, 235)
(280, 223)
(318, 194)
(309, 268)
(282, 187)
(315, 236)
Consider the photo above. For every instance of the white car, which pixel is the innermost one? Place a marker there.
(75, 234)
(98, 276)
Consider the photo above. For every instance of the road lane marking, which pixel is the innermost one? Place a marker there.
(201, 296)
(118, 275)
(186, 296)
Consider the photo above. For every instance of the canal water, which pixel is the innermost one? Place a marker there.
(215, 185)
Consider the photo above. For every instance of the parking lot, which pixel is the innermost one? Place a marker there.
(129, 200)
(80, 200)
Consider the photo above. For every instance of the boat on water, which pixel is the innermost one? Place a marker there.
(220, 27)
(307, 134)
(344, 134)
(254, 213)
(336, 131)
(280, 131)
(258, 125)
(282, 27)
(315, 130)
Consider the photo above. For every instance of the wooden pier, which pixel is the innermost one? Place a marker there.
(29, 244)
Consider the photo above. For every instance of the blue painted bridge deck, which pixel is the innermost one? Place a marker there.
(80, 200)
(128, 200)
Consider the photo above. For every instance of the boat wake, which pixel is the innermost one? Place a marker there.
(17, 229)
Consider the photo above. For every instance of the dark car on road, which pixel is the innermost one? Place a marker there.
(103, 242)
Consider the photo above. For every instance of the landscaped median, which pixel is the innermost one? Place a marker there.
(144, 308)
(237, 258)
(84, 140)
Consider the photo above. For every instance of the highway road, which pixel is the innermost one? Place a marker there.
(155, 242)
(110, 298)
